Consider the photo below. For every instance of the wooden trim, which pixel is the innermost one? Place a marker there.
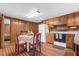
(2, 32)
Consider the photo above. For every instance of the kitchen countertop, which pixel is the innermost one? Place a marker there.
(65, 32)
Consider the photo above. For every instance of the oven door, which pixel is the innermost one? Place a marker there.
(60, 37)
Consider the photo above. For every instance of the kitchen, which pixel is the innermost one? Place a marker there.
(57, 26)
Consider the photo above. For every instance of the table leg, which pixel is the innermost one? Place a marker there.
(27, 47)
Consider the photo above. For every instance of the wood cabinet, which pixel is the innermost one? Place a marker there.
(77, 50)
(50, 38)
(70, 41)
(44, 22)
(71, 20)
(51, 23)
(56, 19)
(77, 18)
(63, 19)
(47, 22)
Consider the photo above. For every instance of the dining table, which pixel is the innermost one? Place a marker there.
(26, 38)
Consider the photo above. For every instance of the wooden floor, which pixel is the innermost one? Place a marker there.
(50, 50)
(47, 50)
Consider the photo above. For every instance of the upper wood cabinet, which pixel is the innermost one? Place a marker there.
(51, 23)
(66, 20)
(63, 19)
(44, 22)
(77, 18)
(47, 22)
(71, 20)
(56, 19)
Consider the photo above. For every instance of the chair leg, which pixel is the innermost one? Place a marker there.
(29, 47)
(25, 47)
(40, 47)
(34, 50)
(16, 49)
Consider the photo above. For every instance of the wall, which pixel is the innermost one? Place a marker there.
(18, 25)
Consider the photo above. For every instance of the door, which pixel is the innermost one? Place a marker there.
(7, 31)
(0, 33)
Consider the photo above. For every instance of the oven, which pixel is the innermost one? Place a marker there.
(60, 37)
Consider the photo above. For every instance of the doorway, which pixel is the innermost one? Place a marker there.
(7, 32)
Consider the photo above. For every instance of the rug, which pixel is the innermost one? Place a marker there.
(58, 47)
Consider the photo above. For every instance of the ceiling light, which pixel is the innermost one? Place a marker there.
(33, 14)
(51, 23)
(73, 27)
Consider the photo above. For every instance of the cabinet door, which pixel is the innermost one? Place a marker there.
(63, 19)
(77, 18)
(51, 23)
(44, 22)
(70, 41)
(50, 38)
(71, 20)
(47, 22)
(56, 19)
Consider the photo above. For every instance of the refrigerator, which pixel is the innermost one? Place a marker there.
(43, 29)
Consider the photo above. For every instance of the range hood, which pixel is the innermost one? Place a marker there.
(56, 23)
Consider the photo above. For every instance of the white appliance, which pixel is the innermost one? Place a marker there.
(43, 29)
(76, 39)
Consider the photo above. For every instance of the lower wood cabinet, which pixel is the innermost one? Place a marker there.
(77, 50)
(70, 41)
(50, 38)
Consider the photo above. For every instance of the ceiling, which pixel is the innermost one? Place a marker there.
(48, 10)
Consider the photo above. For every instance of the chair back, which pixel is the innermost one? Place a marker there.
(17, 41)
(37, 38)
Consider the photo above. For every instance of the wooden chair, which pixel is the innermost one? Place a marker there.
(19, 44)
(36, 44)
